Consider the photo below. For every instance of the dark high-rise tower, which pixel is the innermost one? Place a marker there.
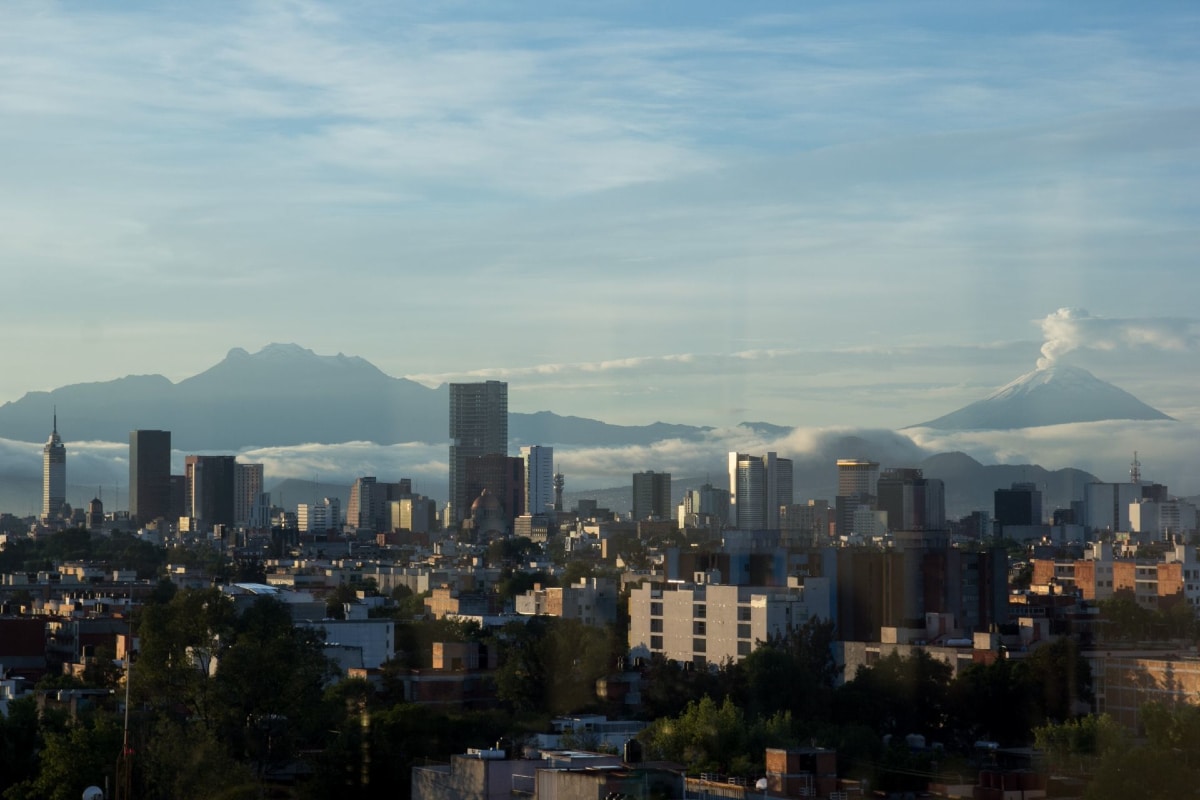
(652, 495)
(210, 490)
(478, 427)
(149, 475)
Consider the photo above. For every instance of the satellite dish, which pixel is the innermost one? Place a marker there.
(93, 793)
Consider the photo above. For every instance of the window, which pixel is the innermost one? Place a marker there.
(699, 645)
(656, 609)
(656, 625)
(743, 613)
(656, 643)
(743, 630)
(698, 628)
(743, 648)
(699, 610)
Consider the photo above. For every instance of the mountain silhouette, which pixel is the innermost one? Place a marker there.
(1054, 395)
(286, 395)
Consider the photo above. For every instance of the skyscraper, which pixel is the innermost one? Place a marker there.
(478, 427)
(539, 478)
(758, 486)
(857, 486)
(54, 474)
(149, 475)
(248, 495)
(912, 501)
(210, 489)
(652, 495)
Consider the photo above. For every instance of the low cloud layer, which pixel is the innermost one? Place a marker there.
(1169, 452)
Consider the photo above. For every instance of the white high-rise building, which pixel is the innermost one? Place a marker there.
(54, 474)
(758, 486)
(539, 479)
(1106, 505)
(316, 517)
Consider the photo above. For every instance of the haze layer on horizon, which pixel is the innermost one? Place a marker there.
(854, 213)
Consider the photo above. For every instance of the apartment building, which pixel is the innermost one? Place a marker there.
(708, 623)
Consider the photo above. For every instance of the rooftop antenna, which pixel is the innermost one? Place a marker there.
(1135, 470)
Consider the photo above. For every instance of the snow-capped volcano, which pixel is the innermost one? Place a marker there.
(1053, 395)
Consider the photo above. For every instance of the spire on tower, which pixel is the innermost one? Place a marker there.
(1135, 469)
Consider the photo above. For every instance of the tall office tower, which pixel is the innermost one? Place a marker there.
(652, 495)
(210, 489)
(54, 474)
(912, 501)
(857, 486)
(368, 508)
(363, 508)
(1020, 505)
(758, 486)
(150, 476)
(857, 477)
(706, 507)
(478, 427)
(247, 494)
(539, 479)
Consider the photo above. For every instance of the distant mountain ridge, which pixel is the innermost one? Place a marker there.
(286, 395)
(1055, 395)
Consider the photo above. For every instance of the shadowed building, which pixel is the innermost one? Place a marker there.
(478, 427)
(149, 475)
(651, 495)
(210, 490)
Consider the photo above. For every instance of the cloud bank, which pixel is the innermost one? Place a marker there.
(1169, 452)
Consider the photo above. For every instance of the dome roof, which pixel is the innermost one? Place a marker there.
(486, 502)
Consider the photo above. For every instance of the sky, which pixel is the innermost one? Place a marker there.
(818, 214)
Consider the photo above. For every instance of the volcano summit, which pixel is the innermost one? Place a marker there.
(1053, 395)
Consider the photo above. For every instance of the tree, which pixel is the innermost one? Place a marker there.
(793, 672)
(708, 737)
(181, 643)
(270, 673)
(898, 695)
(71, 760)
(551, 665)
(993, 702)
(1060, 678)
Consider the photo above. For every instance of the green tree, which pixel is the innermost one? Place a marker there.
(71, 760)
(1123, 619)
(551, 665)
(267, 678)
(993, 702)
(1060, 679)
(180, 761)
(182, 641)
(898, 695)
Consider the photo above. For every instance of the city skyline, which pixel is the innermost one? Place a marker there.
(830, 216)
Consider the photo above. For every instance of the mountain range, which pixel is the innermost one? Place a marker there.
(287, 395)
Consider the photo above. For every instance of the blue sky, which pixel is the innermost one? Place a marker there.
(811, 214)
